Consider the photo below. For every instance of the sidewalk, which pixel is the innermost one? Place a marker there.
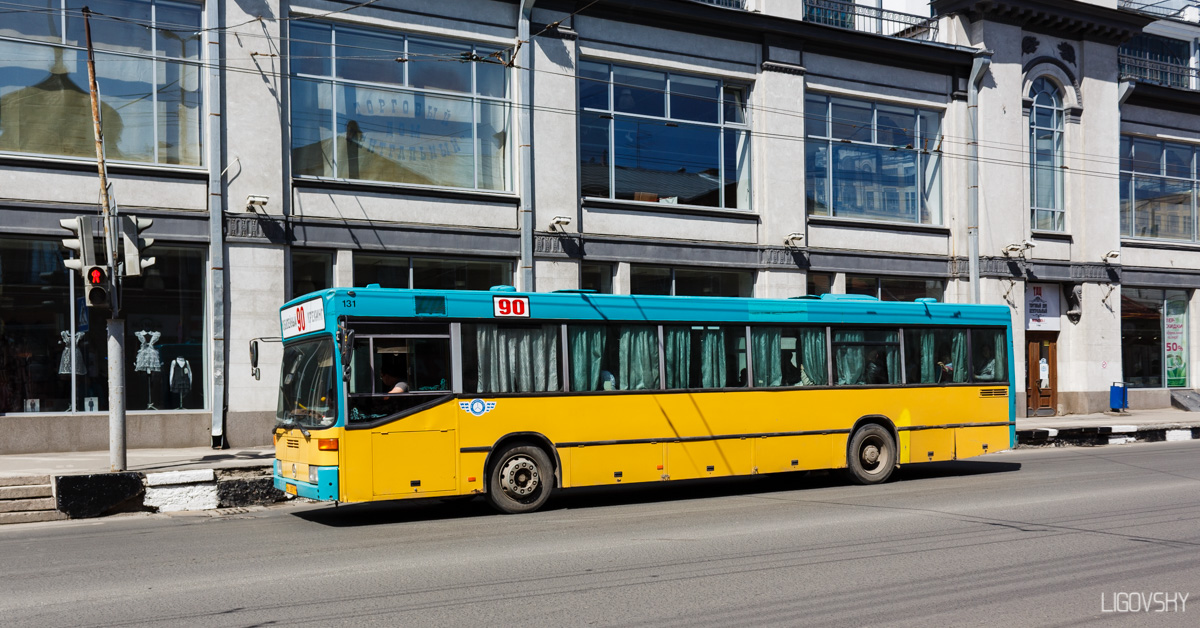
(1109, 428)
(138, 460)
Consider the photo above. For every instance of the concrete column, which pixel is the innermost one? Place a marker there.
(343, 269)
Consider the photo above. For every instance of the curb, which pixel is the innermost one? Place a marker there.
(1105, 435)
(97, 495)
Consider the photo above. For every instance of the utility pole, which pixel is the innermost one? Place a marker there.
(116, 325)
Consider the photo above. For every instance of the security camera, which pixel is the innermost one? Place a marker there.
(794, 239)
(1013, 249)
(255, 201)
(1112, 257)
(559, 223)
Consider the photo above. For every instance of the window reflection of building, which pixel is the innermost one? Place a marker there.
(432, 120)
(1158, 184)
(872, 161)
(148, 79)
(662, 137)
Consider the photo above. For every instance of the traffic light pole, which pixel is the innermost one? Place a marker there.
(116, 325)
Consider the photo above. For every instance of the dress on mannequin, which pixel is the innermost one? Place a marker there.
(181, 378)
(148, 361)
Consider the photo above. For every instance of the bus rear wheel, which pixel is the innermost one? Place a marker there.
(521, 480)
(871, 456)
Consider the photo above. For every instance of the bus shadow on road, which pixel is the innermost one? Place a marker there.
(394, 512)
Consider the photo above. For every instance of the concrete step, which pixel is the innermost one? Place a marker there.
(26, 492)
(24, 480)
(31, 516)
(17, 505)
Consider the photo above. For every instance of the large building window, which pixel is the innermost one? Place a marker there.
(383, 106)
(691, 282)
(1046, 156)
(1156, 59)
(662, 137)
(53, 349)
(397, 271)
(872, 161)
(895, 288)
(1154, 337)
(148, 56)
(1158, 189)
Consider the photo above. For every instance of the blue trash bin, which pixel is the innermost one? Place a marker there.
(1118, 397)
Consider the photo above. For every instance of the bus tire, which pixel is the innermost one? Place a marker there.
(521, 480)
(871, 455)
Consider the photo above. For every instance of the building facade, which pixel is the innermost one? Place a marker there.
(764, 148)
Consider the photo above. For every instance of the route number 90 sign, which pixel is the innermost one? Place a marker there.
(510, 307)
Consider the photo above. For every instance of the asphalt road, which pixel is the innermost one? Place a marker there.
(1044, 537)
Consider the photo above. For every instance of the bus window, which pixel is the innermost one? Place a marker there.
(308, 384)
(393, 374)
(703, 356)
(637, 357)
(789, 356)
(593, 357)
(868, 357)
(511, 358)
(935, 356)
(989, 354)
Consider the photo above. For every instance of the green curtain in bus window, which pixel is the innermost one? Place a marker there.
(586, 343)
(767, 351)
(958, 352)
(712, 358)
(929, 360)
(1001, 353)
(517, 359)
(893, 364)
(812, 358)
(678, 345)
(849, 361)
(637, 348)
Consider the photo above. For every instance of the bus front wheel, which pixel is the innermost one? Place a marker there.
(871, 456)
(521, 480)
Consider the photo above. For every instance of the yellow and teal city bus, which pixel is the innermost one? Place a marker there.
(395, 394)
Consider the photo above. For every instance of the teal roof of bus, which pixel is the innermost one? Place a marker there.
(470, 304)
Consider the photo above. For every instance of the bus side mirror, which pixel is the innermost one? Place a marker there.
(254, 360)
(346, 346)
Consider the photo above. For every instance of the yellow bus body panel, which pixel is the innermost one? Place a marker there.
(612, 438)
(295, 451)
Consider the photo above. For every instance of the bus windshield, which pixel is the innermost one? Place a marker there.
(308, 385)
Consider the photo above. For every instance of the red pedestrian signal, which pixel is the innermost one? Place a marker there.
(96, 291)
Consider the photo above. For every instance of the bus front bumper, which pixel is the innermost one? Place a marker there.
(324, 488)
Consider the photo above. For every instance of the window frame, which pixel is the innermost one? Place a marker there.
(1057, 110)
(611, 114)
(197, 65)
(479, 51)
(927, 149)
(1131, 174)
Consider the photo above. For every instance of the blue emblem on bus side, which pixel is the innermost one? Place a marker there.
(478, 407)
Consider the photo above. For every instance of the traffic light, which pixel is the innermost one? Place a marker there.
(84, 243)
(96, 286)
(135, 245)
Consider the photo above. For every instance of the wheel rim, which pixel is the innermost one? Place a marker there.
(519, 477)
(874, 455)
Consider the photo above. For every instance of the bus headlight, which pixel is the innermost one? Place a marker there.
(312, 474)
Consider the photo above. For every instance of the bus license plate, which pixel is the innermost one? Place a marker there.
(290, 489)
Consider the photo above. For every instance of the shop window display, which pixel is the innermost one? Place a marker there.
(53, 350)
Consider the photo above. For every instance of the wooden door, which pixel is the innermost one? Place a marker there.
(1041, 392)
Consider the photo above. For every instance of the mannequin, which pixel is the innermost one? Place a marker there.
(181, 378)
(71, 364)
(148, 361)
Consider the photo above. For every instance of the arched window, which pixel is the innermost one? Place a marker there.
(1046, 156)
